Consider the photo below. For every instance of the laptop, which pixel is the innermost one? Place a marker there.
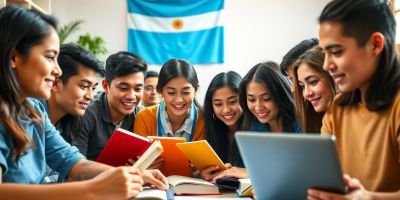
(285, 166)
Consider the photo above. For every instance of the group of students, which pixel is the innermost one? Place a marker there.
(346, 84)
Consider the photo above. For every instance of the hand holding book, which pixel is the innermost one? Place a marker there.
(153, 177)
(122, 146)
(148, 157)
(201, 154)
(157, 164)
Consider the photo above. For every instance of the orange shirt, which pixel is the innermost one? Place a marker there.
(146, 123)
(368, 143)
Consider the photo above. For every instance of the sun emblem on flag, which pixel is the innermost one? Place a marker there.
(177, 24)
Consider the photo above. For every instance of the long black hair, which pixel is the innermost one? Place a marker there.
(216, 130)
(280, 91)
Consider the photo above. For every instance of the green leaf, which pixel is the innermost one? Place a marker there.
(95, 44)
(68, 29)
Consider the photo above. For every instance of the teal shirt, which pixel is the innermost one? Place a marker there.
(48, 148)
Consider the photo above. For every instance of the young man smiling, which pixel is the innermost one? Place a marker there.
(73, 91)
(116, 106)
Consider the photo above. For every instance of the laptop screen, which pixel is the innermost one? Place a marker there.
(285, 166)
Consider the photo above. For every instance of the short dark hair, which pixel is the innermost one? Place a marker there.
(295, 52)
(150, 74)
(70, 58)
(123, 63)
(353, 15)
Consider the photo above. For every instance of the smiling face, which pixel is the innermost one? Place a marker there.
(315, 87)
(123, 94)
(178, 95)
(350, 66)
(150, 94)
(225, 103)
(261, 103)
(37, 71)
(74, 96)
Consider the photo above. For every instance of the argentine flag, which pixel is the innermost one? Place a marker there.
(159, 30)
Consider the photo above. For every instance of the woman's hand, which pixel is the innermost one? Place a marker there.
(155, 178)
(236, 172)
(209, 173)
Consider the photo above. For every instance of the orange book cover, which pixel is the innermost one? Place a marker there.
(175, 163)
(201, 154)
(123, 145)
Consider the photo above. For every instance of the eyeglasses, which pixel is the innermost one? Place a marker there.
(149, 88)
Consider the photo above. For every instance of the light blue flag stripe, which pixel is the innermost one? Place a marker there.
(198, 47)
(168, 8)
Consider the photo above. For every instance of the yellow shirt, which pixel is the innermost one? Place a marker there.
(368, 143)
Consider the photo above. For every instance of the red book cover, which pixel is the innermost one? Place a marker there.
(121, 146)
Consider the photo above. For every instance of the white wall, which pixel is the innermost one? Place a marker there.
(255, 30)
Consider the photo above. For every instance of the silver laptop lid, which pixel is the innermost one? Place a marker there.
(284, 166)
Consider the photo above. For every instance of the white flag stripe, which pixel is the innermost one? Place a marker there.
(165, 24)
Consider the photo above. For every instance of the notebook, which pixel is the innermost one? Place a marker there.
(285, 166)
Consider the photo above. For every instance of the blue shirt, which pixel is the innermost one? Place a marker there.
(48, 148)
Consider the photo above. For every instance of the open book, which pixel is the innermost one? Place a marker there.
(201, 154)
(122, 146)
(183, 185)
(175, 162)
(149, 156)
